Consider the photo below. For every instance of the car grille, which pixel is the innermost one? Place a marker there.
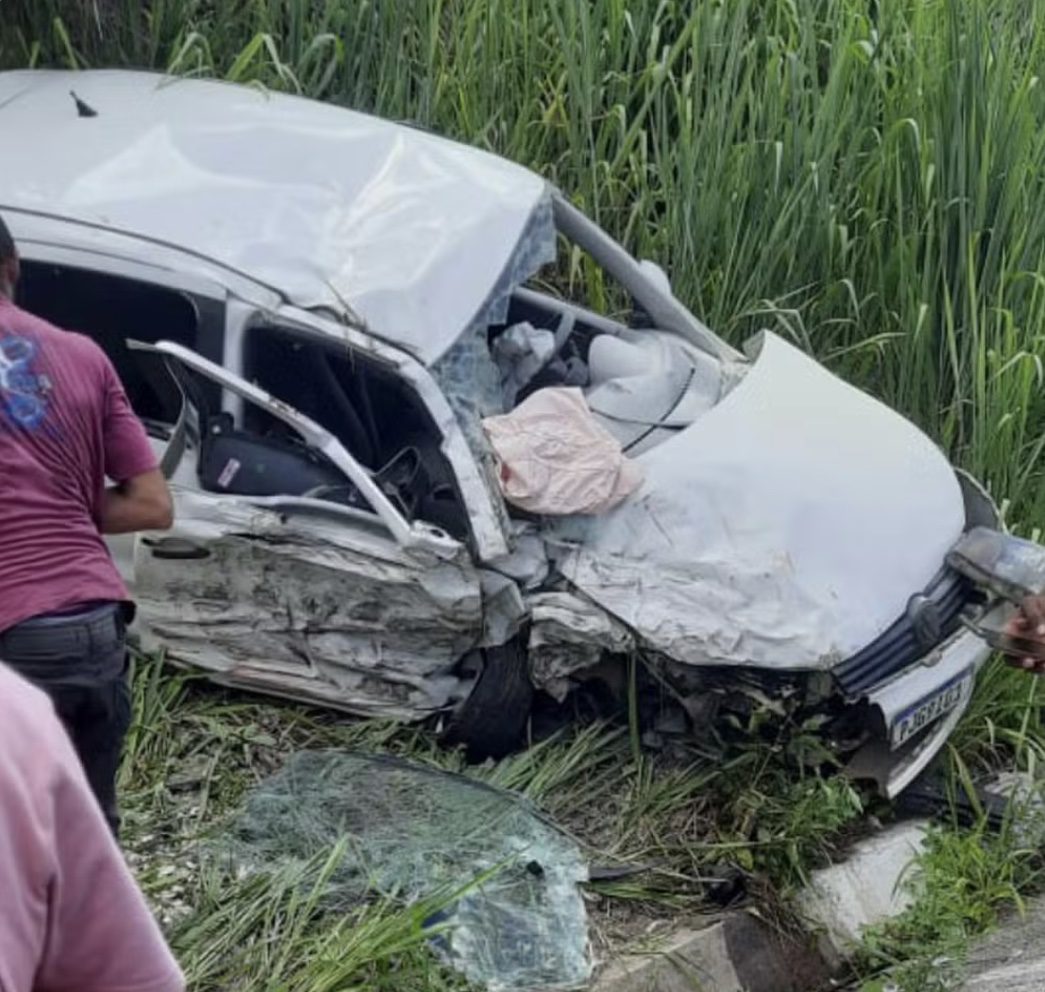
(901, 646)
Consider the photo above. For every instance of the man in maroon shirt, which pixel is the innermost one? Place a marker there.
(75, 463)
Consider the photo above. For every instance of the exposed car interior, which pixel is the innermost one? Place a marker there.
(378, 420)
(110, 309)
(641, 387)
(374, 415)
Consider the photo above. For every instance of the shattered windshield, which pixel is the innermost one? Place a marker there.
(515, 916)
(467, 373)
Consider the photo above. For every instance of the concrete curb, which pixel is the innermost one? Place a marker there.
(742, 953)
(871, 886)
(738, 953)
(1012, 959)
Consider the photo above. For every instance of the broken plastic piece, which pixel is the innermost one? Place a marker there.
(1010, 567)
(521, 352)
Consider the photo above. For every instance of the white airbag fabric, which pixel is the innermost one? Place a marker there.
(554, 458)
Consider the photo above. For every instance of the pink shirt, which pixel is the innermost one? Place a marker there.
(71, 917)
(65, 424)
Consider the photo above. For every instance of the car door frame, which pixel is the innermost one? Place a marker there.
(323, 572)
(489, 540)
(667, 313)
(416, 535)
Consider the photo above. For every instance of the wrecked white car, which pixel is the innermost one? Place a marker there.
(314, 311)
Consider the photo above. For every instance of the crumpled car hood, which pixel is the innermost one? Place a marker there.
(787, 528)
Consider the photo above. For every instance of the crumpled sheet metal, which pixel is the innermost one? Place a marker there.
(556, 459)
(310, 610)
(404, 230)
(527, 562)
(787, 528)
(569, 634)
(504, 611)
(467, 372)
(414, 832)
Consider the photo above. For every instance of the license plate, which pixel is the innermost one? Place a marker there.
(919, 716)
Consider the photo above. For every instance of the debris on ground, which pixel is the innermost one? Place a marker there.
(514, 916)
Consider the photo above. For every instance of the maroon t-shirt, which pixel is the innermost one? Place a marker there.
(65, 425)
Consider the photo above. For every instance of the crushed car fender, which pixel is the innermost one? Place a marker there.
(569, 634)
(309, 609)
(785, 529)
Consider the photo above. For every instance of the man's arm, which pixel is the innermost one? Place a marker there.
(140, 500)
(141, 503)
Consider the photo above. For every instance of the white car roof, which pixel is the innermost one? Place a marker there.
(330, 207)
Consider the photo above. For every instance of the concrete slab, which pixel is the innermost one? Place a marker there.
(742, 953)
(865, 889)
(1026, 804)
(688, 960)
(739, 953)
(1013, 958)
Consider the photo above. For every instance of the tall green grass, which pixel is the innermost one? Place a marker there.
(865, 177)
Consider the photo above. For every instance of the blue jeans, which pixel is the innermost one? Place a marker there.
(80, 661)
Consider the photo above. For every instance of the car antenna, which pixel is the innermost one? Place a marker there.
(83, 109)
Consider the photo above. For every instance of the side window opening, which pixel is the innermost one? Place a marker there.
(376, 416)
(110, 309)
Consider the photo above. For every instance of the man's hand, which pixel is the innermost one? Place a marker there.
(1029, 624)
(141, 503)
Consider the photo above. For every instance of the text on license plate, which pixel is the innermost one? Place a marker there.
(919, 716)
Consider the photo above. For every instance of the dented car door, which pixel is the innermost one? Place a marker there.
(327, 595)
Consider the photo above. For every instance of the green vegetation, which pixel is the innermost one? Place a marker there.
(864, 177)
(969, 878)
(691, 821)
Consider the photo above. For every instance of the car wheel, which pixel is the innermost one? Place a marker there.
(490, 721)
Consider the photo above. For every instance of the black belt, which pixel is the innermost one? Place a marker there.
(70, 648)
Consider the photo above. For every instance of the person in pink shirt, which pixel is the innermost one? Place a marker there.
(71, 917)
(75, 463)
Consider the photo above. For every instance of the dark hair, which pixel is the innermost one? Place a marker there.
(7, 243)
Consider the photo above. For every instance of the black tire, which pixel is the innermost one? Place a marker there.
(491, 721)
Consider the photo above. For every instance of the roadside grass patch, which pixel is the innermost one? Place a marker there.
(674, 834)
(967, 880)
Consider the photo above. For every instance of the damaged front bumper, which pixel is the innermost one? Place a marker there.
(914, 714)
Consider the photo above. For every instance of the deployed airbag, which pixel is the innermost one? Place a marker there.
(554, 458)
